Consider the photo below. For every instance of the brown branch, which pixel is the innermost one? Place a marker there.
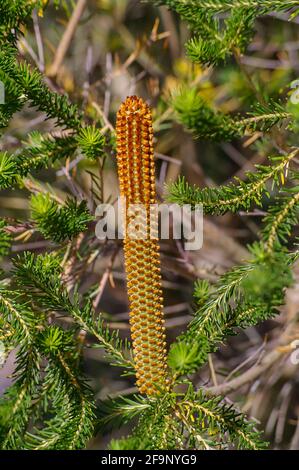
(66, 38)
(283, 348)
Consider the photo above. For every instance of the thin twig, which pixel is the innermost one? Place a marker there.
(39, 42)
(67, 38)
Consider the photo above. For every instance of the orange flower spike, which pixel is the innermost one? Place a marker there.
(136, 173)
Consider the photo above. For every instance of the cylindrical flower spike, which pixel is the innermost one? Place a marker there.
(136, 172)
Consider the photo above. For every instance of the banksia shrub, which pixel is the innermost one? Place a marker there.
(136, 173)
(224, 114)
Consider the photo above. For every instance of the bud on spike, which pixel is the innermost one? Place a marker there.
(135, 161)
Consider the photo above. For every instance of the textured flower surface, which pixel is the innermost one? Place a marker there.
(136, 171)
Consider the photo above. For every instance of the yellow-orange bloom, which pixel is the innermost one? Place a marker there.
(136, 172)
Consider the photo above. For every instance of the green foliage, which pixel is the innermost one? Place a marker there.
(14, 100)
(25, 85)
(72, 426)
(91, 142)
(236, 34)
(222, 6)
(65, 401)
(59, 222)
(5, 239)
(198, 117)
(192, 420)
(243, 297)
(215, 40)
(183, 357)
(30, 82)
(281, 217)
(115, 413)
(42, 151)
(41, 275)
(205, 123)
(8, 171)
(50, 405)
(12, 14)
(21, 319)
(235, 196)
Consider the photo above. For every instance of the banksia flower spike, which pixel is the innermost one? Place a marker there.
(136, 172)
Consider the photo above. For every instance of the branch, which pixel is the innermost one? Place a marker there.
(66, 38)
(256, 371)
